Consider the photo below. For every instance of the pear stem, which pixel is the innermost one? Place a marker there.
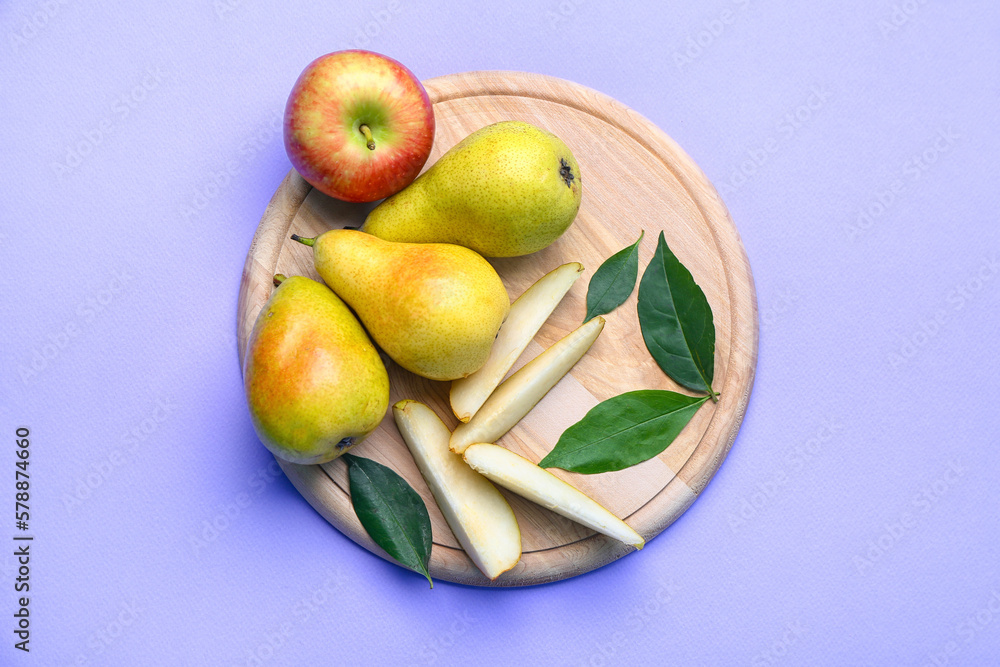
(309, 242)
(279, 278)
(365, 130)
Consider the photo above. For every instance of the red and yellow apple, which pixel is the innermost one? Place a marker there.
(358, 125)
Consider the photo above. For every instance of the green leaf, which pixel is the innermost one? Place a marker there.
(676, 321)
(614, 281)
(392, 512)
(622, 431)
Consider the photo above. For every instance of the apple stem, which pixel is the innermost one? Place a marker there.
(309, 242)
(278, 279)
(368, 136)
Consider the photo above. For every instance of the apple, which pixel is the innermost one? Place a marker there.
(358, 125)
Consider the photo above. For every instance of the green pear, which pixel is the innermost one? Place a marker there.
(435, 308)
(315, 383)
(507, 189)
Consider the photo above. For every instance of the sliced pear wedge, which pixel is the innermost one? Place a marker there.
(527, 315)
(521, 391)
(477, 513)
(538, 485)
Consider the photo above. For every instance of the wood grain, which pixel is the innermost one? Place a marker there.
(635, 178)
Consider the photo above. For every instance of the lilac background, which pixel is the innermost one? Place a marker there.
(855, 520)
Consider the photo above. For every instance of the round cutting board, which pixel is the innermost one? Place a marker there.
(634, 178)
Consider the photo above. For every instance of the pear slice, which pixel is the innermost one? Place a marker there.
(477, 513)
(538, 485)
(521, 391)
(527, 315)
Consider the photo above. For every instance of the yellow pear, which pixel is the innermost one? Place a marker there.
(315, 384)
(435, 308)
(507, 189)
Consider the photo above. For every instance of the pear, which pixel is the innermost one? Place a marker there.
(435, 308)
(518, 474)
(315, 383)
(527, 315)
(513, 399)
(477, 513)
(507, 189)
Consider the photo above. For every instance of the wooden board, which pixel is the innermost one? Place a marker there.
(634, 178)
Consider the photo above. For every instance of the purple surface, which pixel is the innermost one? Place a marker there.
(855, 520)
